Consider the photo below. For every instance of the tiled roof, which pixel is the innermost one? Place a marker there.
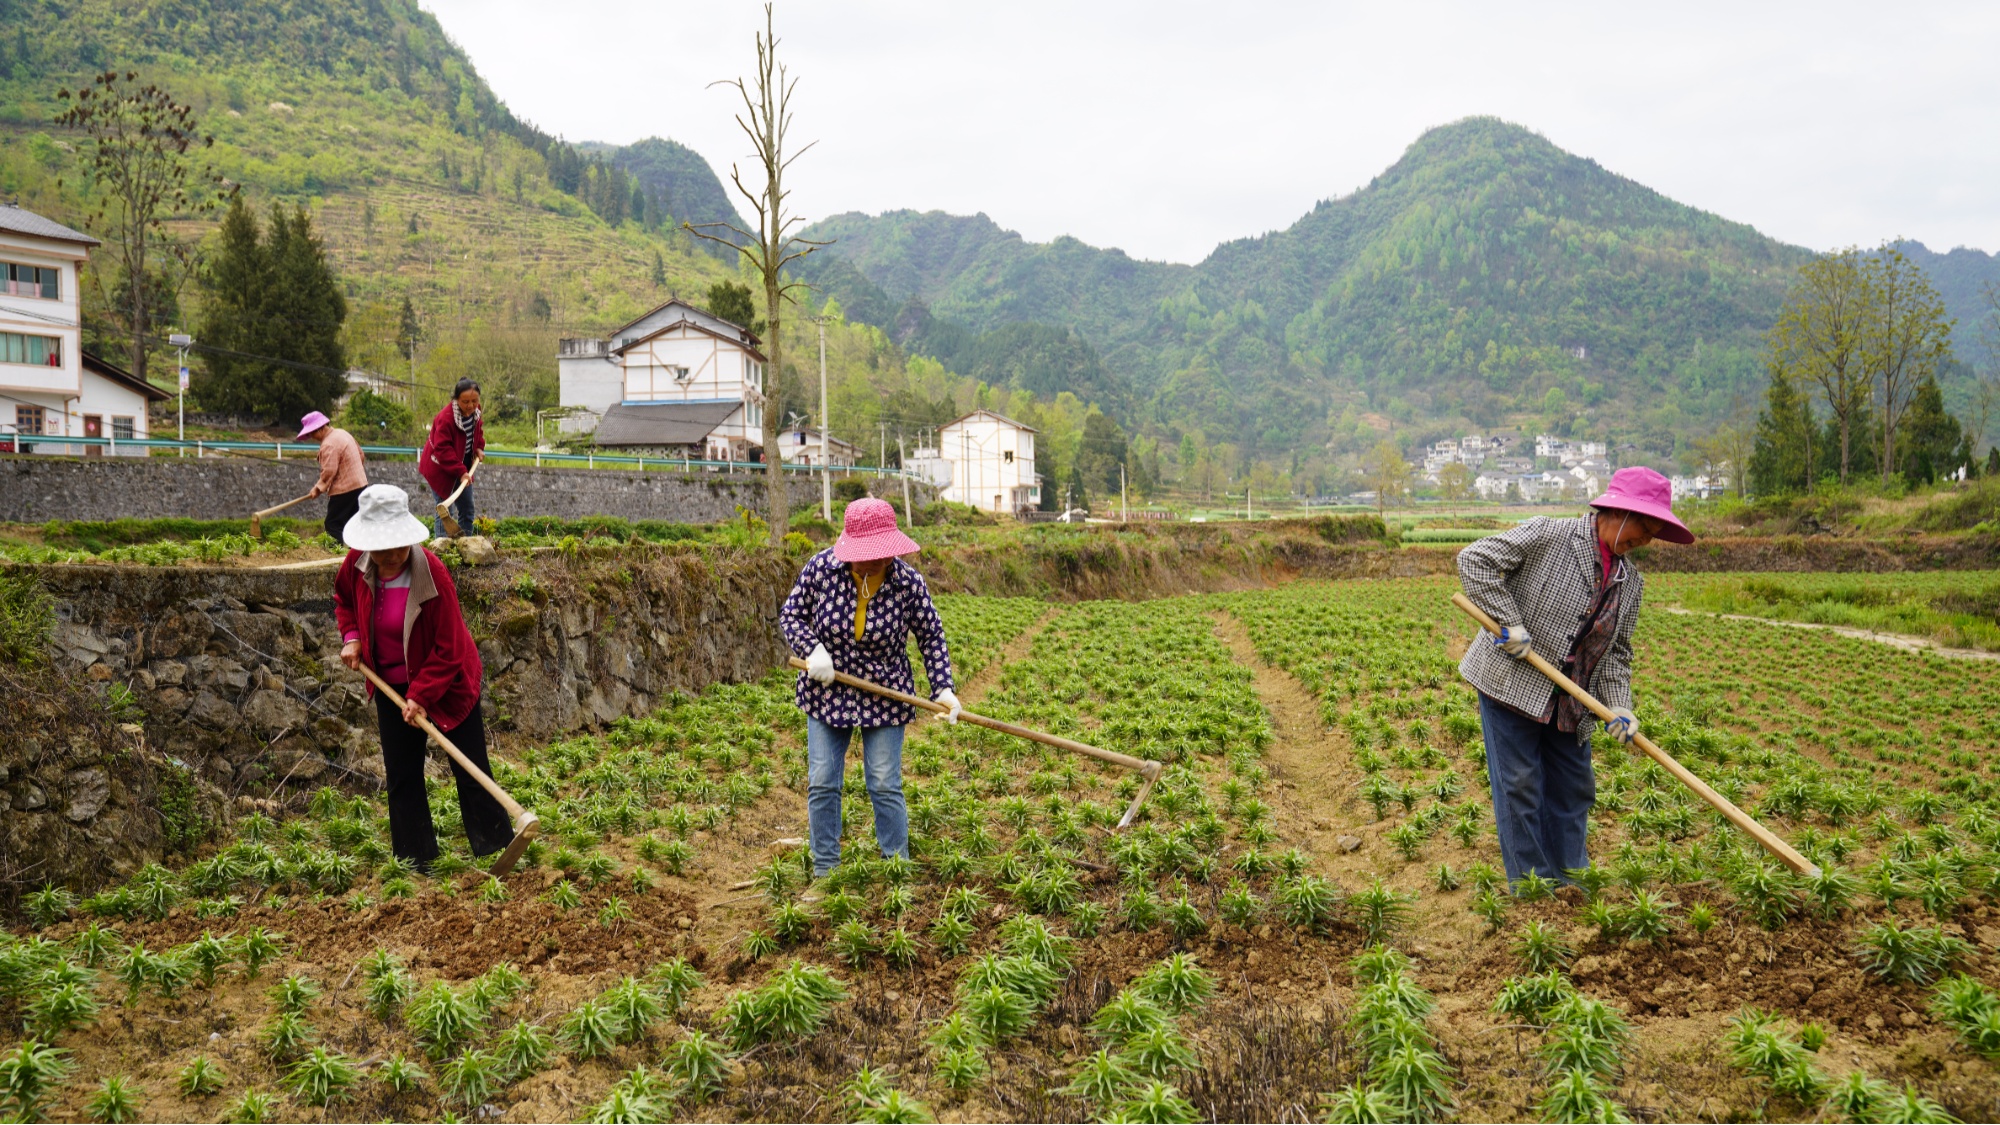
(14, 218)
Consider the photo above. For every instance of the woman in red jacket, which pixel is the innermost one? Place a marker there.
(398, 613)
(456, 440)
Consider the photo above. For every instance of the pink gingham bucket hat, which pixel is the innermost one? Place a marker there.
(1647, 493)
(869, 532)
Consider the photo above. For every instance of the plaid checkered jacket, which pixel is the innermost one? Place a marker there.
(1542, 575)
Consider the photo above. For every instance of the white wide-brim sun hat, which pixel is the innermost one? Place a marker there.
(384, 522)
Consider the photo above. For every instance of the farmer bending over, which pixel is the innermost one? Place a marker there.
(341, 476)
(1564, 589)
(853, 609)
(398, 613)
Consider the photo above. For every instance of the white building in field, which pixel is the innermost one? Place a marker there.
(678, 381)
(992, 460)
(800, 446)
(929, 465)
(48, 386)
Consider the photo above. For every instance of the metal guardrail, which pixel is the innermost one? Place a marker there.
(27, 442)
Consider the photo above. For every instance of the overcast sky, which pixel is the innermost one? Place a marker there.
(1165, 127)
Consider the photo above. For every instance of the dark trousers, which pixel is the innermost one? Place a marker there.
(340, 507)
(460, 511)
(1542, 792)
(411, 834)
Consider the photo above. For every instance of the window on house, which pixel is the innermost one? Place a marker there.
(17, 280)
(41, 351)
(1007, 456)
(121, 429)
(29, 419)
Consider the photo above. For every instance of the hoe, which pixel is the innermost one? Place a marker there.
(257, 519)
(525, 822)
(1147, 769)
(444, 514)
(1723, 805)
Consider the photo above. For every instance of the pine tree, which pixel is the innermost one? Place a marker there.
(408, 330)
(274, 313)
(660, 271)
(1930, 437)
(1783, 456)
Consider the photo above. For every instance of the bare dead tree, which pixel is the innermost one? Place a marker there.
(139, 159)
(767, 120)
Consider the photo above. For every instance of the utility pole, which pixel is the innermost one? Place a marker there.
(909, 517)
(825, 468)
(181, 340)
(882, 445)
(1124, 515)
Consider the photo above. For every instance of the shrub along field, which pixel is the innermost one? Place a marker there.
(1306, 923)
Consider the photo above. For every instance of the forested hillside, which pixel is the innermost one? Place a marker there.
(421, 181)
(1486, 278)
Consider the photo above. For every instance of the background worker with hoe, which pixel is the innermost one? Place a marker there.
(1563, 589)
(448, 458)
(398, 614)
(341, 475)
(853, 609)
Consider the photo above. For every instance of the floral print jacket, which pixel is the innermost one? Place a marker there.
(820, 610)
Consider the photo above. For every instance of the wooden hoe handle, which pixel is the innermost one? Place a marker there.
(521, 817)
(276, 508)
(462, 482)
(1772, 843)
(1149, 770)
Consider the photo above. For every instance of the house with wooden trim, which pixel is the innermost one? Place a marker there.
(48, 385)
(992, 459)
(677, 382)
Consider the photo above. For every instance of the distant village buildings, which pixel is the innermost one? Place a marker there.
(1503, 468)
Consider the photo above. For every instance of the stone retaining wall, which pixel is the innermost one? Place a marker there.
(238, 671)
(36, 488)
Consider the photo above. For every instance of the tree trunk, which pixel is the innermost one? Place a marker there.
(777, 508)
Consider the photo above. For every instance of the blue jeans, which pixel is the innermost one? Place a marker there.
(1543, 788)
(461, 511)
(826, 767)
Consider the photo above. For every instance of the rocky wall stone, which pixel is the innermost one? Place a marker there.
(35, 488)
(238, 670)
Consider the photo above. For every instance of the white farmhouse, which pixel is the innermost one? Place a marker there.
(678, 381)
(992, 461)
(800, 446)
(930, 465)
(47, 385)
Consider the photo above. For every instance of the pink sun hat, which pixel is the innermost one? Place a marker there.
(312, 422)
(1647, 493)
(869, 532)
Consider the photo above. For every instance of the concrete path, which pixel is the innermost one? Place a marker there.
(1895, 640)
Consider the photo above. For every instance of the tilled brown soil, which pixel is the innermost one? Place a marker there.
(1677, 994)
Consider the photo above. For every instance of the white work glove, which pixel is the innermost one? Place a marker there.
(949, 698)
(1514, 641)
(1624, 725)
(819, 666)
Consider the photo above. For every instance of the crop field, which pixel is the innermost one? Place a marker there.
(1306, 923)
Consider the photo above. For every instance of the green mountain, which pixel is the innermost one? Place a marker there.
(422, 183)
(682, 181)
(1488, 278)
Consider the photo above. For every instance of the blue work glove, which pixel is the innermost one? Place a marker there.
(1624, 725)
(1514, 641)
